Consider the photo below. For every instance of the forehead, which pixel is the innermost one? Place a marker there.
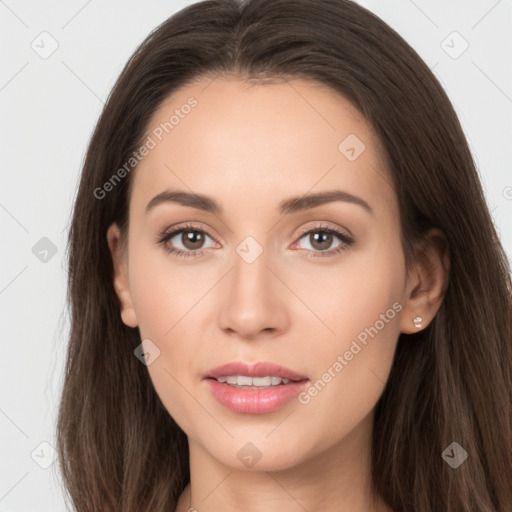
(237, 141)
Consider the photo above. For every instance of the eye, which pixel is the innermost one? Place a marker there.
(321, 238)
(184, 241)
(188, 241)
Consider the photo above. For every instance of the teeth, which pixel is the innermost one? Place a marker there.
(261, 381)
(243, 380)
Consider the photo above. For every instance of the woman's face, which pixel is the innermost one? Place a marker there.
(261, 279)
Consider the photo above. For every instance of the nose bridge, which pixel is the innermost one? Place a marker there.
(250, 276)
(250, 273)
(253, 300)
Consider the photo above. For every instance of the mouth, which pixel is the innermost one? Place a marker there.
(260, 374)
(254, 389)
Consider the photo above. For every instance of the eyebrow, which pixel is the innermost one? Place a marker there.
(287, 206)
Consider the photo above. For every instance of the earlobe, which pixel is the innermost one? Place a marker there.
(120, 278)
(427, 284)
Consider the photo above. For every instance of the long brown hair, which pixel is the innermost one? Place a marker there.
(119, 449)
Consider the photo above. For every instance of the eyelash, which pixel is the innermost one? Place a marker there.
(165, 236)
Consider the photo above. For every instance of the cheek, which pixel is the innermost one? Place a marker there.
(353, 295)
(165, 297)
(360, 307)
(369, 322)
(350, 378)
(163, 292)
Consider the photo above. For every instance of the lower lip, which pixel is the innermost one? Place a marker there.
(254, 401)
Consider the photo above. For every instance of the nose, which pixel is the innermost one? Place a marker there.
(252, 300)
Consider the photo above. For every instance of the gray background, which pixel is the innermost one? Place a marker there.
(49, 107)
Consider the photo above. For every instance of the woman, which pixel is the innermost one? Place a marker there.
(286, 289)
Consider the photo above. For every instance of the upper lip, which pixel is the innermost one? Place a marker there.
(259, 369)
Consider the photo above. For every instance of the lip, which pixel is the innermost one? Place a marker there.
(259, 369)
(255, 401)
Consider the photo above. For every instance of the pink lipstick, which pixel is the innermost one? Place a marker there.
(257, 388)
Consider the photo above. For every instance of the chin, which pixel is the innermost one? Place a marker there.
(255, 453)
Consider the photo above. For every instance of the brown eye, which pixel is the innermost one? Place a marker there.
(321, 240)
(192, 239)
(185, 241)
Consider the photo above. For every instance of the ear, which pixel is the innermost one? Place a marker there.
(427, 282)
(121, 283)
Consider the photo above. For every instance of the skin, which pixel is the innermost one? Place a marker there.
(250, 147)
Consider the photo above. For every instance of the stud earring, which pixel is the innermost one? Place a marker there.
(417, 322)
